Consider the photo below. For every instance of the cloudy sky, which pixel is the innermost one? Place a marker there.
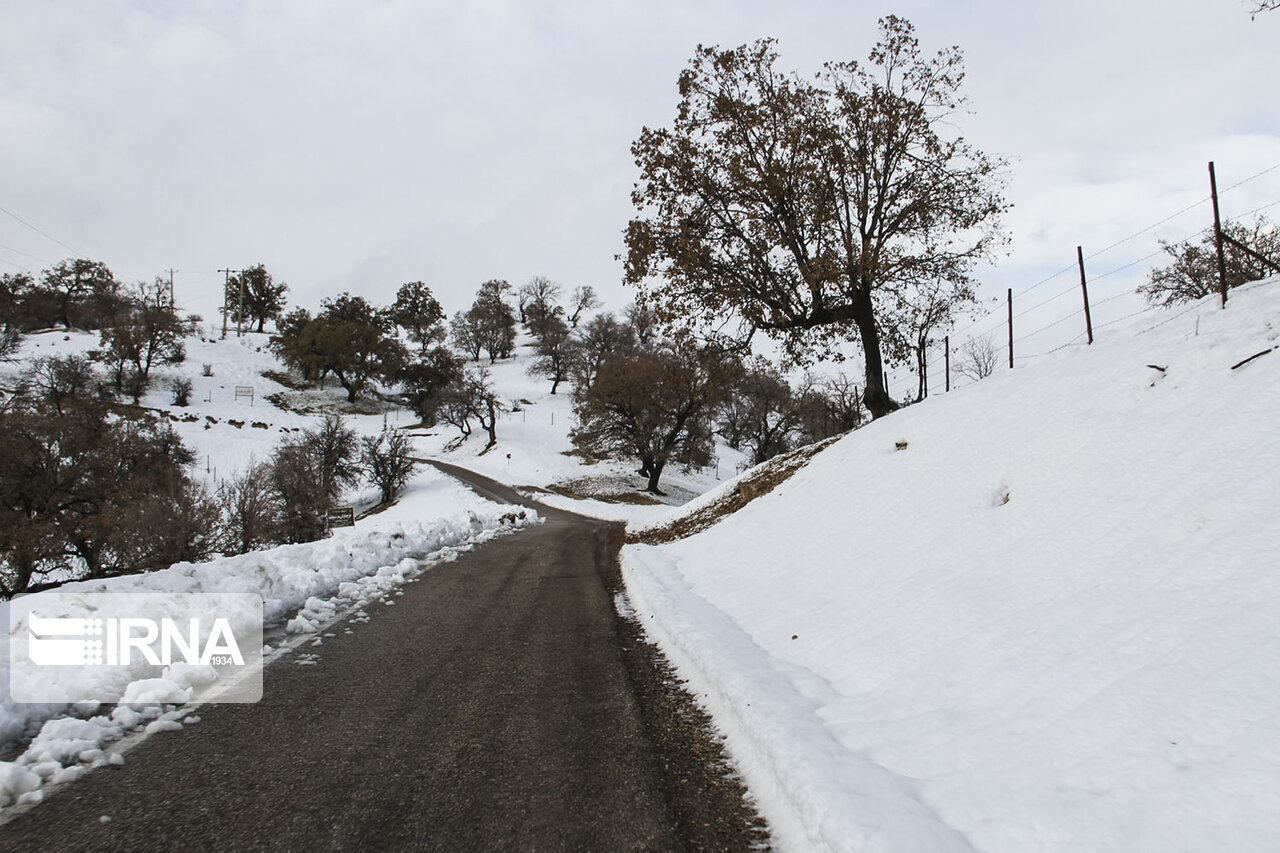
(358, 145)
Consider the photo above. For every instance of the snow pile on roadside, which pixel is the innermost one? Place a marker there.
(307, 582)
(1047, 624)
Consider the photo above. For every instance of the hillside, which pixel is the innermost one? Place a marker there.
(1048, 623)
(535, 453)
(230, 431)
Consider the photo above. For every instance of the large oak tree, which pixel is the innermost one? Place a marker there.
(803, 208)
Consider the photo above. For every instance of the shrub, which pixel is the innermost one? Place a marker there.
(182, 389)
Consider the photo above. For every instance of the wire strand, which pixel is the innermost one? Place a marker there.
(41, 233)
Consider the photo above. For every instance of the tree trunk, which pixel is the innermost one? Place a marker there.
(491, 425)
(655, 471)
(876, 399)
(350, 386)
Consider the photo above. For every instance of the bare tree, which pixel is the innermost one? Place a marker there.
(643, 322)
(830, 406)
(555, 349)
(388, 462)
(537, 300)
(977, 358)
(146, 330)
(473, 398)
(62, 380)
(601, 337)
(310, 472)
(583, 299)
(760, 414)
(251, 511)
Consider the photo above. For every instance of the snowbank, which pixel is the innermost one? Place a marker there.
(301, 585)
(1047, 624)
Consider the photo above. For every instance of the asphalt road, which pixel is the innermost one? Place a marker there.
(491, 708)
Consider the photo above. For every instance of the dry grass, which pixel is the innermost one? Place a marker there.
(318, 401)
(601, 489)
(758, 481)
(288, 380)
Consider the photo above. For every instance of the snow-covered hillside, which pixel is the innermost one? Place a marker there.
(534, 450)
(1049, 623)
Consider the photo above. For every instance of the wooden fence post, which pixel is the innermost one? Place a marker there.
(946, 345)
(1011, 328)
(1084, 288)
(1217, 235)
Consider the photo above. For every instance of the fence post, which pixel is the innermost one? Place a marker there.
(1010, 297)
(1084, 288)
(1217, 235)
(924, 372)
(946, 346)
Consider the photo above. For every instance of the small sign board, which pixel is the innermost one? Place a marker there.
(245, 391)
(342, 516)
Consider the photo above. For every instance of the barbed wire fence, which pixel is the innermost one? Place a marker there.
(1018, 343)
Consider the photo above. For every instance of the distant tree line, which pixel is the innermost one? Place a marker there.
(637, 392)
(93, 490)
(91, 487)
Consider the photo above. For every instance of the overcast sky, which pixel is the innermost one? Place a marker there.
(358, 145)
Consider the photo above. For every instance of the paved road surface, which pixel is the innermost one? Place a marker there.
(489, 709)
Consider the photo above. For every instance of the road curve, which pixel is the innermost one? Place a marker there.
(494, 707)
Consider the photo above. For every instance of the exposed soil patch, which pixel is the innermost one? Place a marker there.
(758, 481)
(712, 807)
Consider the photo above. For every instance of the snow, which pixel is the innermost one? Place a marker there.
(302, 586)
(534, 447)
(1047, 624)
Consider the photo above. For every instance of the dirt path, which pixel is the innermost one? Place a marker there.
(499, 705)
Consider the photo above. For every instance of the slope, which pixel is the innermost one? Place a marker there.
(1047, 624)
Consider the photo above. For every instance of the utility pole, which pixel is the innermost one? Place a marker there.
(226, 285)
(240, 309)
(173, 309)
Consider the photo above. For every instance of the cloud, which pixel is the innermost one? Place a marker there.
(358, 145)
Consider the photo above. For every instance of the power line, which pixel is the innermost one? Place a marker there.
(1148, 228)
(1072, 289)
(1250, 178)
(1126, 266)
(41, 233)
(25, 254)
(1255, 210)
